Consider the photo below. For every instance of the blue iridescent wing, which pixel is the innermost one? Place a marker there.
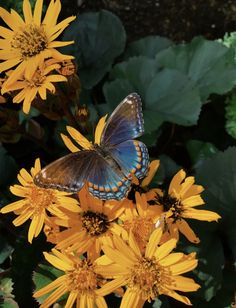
(132, 156)
(67, 173)
(106, 181)
(72, 171)
(125, 123)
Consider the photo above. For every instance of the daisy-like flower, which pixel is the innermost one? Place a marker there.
(140, 219)
(92, 227)
(37, 202)
(36, 84)
(147, 275)
(80, 280)
(27, 42)
(178, 204)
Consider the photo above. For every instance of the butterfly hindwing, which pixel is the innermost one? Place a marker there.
(67, 173)
(106, 181)
(132, 156)
(125, 123)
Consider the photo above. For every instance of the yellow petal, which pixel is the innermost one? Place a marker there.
(51, 286)
(185, 229)
(79, 138)
(111, 286)
(71, 299)
(27, 11)
(12, 206)
(165, 249)
(171, 259)
(179, 297)
(69, 144)
(130, 298)
(201, 215)
(99, 129)
(184, 284)
(176, 181)
(100, 302)
(154, 165)
(57, 262)
(183, 267)
(153, 242)
(38, 12)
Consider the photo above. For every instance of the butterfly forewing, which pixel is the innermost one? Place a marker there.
(67, 173)
(125, 123)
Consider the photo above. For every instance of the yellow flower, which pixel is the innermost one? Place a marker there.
(91, 227)
(140, 218)
(36, 84)
(178, 203)
(82, 141)
(147, 275)
(37, 202)
(26, 43)
(142, 185)
(80, 280)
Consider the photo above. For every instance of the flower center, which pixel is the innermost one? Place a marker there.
(40, 198)
(141, 228)
(95, 223)
(82, 278)
(170, 203)
(30, 41)
(149, 277)
(37, 79)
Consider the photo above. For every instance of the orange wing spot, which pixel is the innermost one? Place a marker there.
(139, 166)
(90, 184)
(136, 143)
(133, 170)
(107, 189)
(115, 189)
(101, 188)
(139, 153)
(95, 187)
(119, 183)
(139, 159)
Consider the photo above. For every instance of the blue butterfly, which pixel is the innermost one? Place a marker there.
(107, 168)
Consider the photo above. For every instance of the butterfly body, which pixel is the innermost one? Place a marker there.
(106, 168)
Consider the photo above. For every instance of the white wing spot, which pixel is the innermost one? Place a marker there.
(43, 172)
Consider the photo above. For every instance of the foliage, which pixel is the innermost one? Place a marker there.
(189, 108)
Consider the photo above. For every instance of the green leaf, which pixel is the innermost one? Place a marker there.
(208, 63)
(148, 46)
(26, 117)
(218, 176)
(5, 249)
(199, 150)
(8, 167)
(174, 97)
(9, 303)
(230, 115)
(44, 275)
(99, 38)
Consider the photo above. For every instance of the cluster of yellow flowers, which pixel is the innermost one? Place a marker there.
(28, 52)
(125, 247)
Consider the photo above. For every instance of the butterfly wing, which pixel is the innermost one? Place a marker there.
(125, 123)
(132, 156)
(106, 181)
(67, 173)
(70, 173)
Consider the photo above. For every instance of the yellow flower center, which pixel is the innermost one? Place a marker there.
(141, 228)
(40, 198)
(30, 41)
(82, 278)
(149, 277)
(37, 79)
(95, 223)
(172, 204)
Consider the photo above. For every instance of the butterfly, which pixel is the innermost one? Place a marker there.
(107, 168)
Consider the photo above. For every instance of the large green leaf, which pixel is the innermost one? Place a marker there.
(209, 63)
(99, 38)
(218, 176)
(167, 95)
(148, 46)
(230, 114)
(174, 96)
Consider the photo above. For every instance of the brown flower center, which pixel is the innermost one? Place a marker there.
(40, 198)
(82, 278)
(30, 41)
(149, 277)
(95, 223)
(170, 203)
